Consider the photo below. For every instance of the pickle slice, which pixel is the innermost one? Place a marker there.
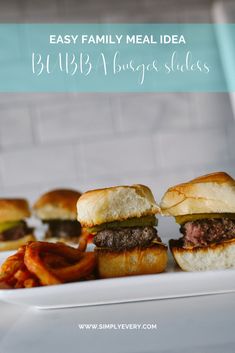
(132, 222)
(8, 225)
(194, 217)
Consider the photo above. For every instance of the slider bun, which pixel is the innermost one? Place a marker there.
(115, 204)
(131, 262)
(213, 257)
(7, 245)
(57, 204)
(212, 193)
(13, 210)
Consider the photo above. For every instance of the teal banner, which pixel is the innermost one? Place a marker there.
(117, 57)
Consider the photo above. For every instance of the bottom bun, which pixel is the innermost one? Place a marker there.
(212, 257)
(15, 244)
(131, 262)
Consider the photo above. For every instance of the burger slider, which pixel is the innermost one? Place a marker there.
(14, 231)
(57, 209)
(205, 209)
(122, 220)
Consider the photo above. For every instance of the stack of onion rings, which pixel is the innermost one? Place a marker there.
(42, 263)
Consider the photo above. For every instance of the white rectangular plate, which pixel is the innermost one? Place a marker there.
(170, 284)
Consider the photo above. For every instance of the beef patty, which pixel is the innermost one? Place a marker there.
(126, 238)
(207, 231)
(17, 232)
(63, 229)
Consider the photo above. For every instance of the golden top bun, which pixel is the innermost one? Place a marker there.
(212, 257)
(212, 193)
(117, 203)
(57, 204)
(132, 262)
(13, 210)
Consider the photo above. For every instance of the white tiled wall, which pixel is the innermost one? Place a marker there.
(89, 140)
(96, 140)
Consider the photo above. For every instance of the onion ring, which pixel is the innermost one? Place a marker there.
(12, 264)
(58, 263)
(59, 248)
(5, 285)
(31, 282)
(35, 264)
(83, 240)
(43, 263)
(77, 271)
(54, 261)
(22, 274)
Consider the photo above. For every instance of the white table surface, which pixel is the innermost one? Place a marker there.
(200, 324)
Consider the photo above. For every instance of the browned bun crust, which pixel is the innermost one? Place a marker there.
(57, 204)
(217, 177)
(7, 245)
(132, 262)
(212, 257)
(212, 193)
(13, 210)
